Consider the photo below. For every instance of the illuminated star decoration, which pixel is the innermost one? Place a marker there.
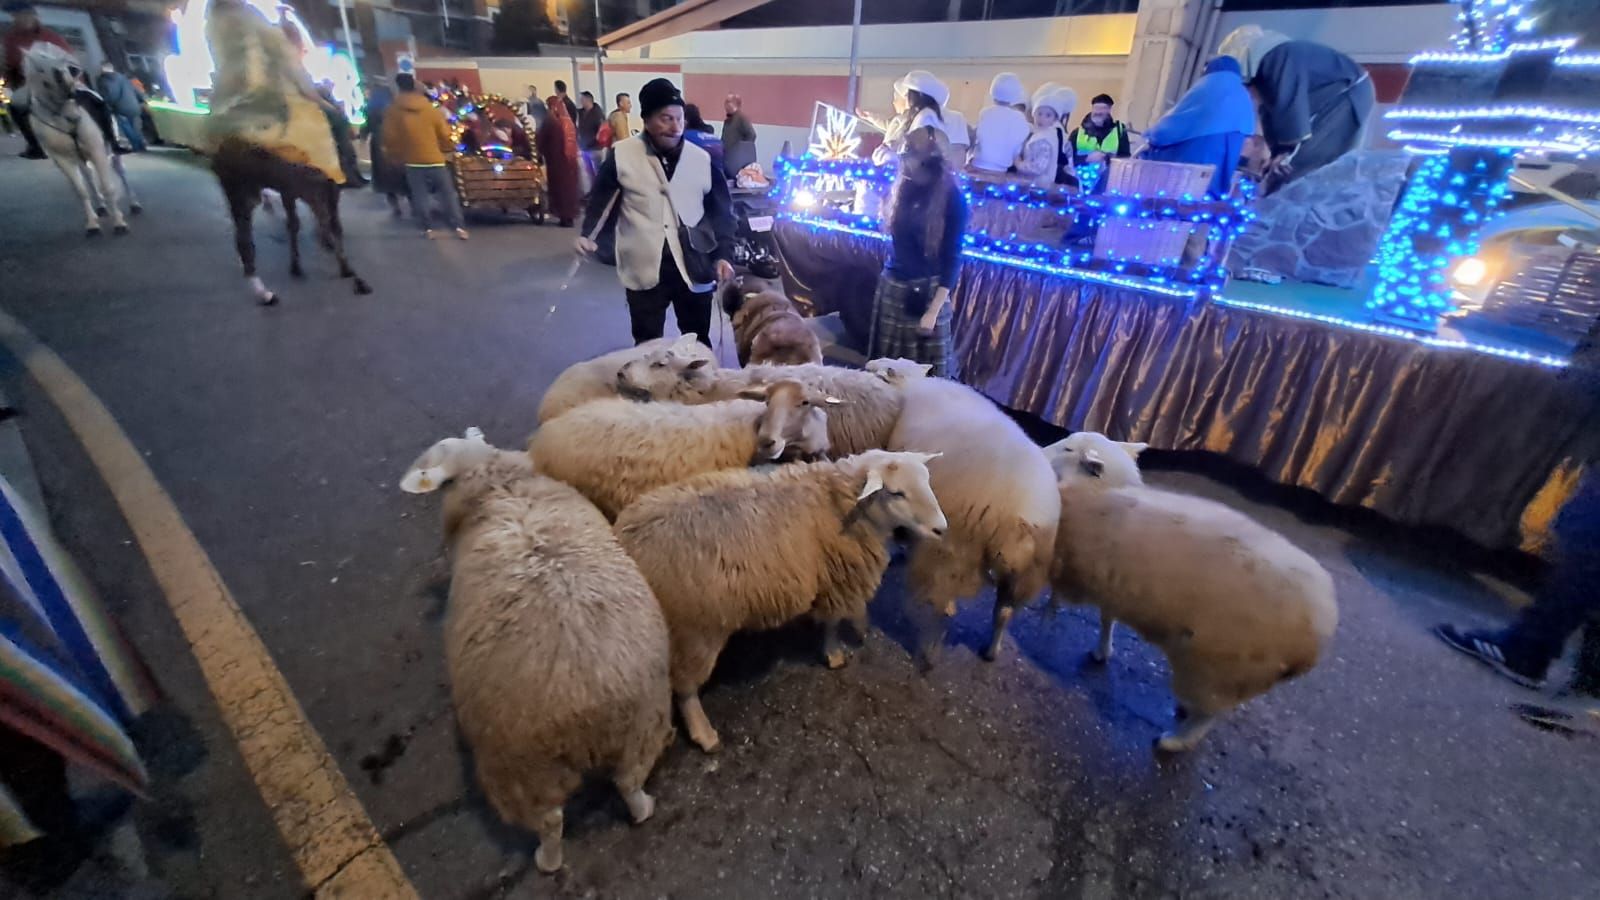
(835, 136)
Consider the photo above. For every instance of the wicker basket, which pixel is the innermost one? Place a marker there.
(1148, 178)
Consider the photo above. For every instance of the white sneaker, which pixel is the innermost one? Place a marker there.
(461, 233)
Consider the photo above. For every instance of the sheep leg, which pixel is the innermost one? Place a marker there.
(832, 645)
(1005, 606)
(694, 718)
(549, 827)
(1187, 735)
(1102, 651)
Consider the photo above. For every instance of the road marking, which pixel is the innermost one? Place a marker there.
(336, 846)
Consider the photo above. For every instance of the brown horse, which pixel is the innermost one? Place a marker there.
(245, 169)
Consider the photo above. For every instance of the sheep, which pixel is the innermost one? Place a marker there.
(999, 493)
(557, 650)
(596, 378)
(861, 421)
(1236, 608)
(614, 451)
(747, 548)
(897, 371)
(766, 326)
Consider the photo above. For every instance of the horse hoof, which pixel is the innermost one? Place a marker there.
(135, 209)
(99, 210)
(91, 232)
(119, 230)
(268, 299)
(362, 287)
(297, 272)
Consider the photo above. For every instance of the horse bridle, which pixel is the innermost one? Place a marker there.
(59, 111)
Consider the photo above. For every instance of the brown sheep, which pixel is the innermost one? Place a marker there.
(766, 326)
(745, 548)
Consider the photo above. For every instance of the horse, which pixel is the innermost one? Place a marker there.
(283, 144)
(74, 141)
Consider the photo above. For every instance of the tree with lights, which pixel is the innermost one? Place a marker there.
(1506, 90)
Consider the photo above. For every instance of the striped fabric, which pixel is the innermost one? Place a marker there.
(896, 333)
(67, 678)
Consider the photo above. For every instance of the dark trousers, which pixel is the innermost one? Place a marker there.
(648, 308)
(1570, 596)
(25, 125)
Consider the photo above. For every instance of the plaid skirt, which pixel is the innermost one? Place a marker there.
(895, 331)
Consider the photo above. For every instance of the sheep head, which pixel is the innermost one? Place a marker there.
(442, 462)
(1091, 457)
(682, 371)
(896, 493)
(898, 372)
(795, 421)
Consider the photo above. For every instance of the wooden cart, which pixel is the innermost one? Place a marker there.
(504, 184)
(498, 167)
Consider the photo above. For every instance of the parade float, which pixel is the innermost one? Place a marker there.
(497, 165)
(1116, 313)
(188, 69)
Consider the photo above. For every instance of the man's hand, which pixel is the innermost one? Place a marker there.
(1280, 165)
(584, 246)
(724, 271)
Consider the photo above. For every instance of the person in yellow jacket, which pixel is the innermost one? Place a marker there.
(417, 136)
(1098, 140)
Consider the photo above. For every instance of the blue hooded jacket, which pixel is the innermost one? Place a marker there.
(1209, 125)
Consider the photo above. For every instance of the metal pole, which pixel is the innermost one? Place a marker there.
(344, 22)
(855, 50)
(599, 62)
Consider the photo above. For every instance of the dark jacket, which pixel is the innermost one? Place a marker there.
(119, 93)
(589, 122)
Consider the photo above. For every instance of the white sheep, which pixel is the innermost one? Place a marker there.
(862, 419)
(1236, 607)
(614, 451)
(746, 548)
(556, 648)
(998, 491)
(595, 378)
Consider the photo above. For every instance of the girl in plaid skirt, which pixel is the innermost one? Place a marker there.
(926, 220)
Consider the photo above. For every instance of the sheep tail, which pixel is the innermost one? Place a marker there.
(732, 296)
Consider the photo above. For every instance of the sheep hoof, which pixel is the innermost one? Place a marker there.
(362, 287)
(92, 232)
(836, 659)
(707, 744)
(641, 807)
(1171, 743)
(991, 652)
(119, 230)
(1099, 658)
(135, 209)
(548, 859)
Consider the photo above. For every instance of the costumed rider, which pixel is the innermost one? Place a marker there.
(666, 205)
(262, 93)
(1208, 126)
(25, 31)
(1315, 101)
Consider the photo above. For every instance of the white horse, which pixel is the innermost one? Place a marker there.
(73, 140)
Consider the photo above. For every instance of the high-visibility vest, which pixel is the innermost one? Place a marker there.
(1109, 146)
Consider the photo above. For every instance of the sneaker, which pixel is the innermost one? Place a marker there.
(461, 233)
(1482, 646)
(427, 234)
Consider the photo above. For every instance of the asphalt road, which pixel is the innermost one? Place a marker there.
(1393, 770)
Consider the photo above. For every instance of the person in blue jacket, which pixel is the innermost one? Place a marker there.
(1209, 125)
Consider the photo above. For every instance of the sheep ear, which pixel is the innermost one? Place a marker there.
(1134, 450)
(475, 434)
(759, 392)
(697, 364)
(685, 342)
(832, 401)
(924, 458)
(423, 480)
(925, 369)
(874, 484)
(1092, 464)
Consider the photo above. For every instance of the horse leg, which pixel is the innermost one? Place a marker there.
(105, 180)
(291, 222)
(96, 199)
(241, 206)
(134, 206)
(332, 231)
(69, 168)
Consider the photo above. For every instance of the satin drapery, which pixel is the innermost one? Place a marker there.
(1486, 445)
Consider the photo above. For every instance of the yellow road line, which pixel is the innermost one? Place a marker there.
(336, 846)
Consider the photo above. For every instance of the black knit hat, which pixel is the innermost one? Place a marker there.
(656, 95)
(1102, 98)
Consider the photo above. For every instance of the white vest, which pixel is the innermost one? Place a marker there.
(646, 222)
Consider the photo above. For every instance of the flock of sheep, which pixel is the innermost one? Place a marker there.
(665, 504)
